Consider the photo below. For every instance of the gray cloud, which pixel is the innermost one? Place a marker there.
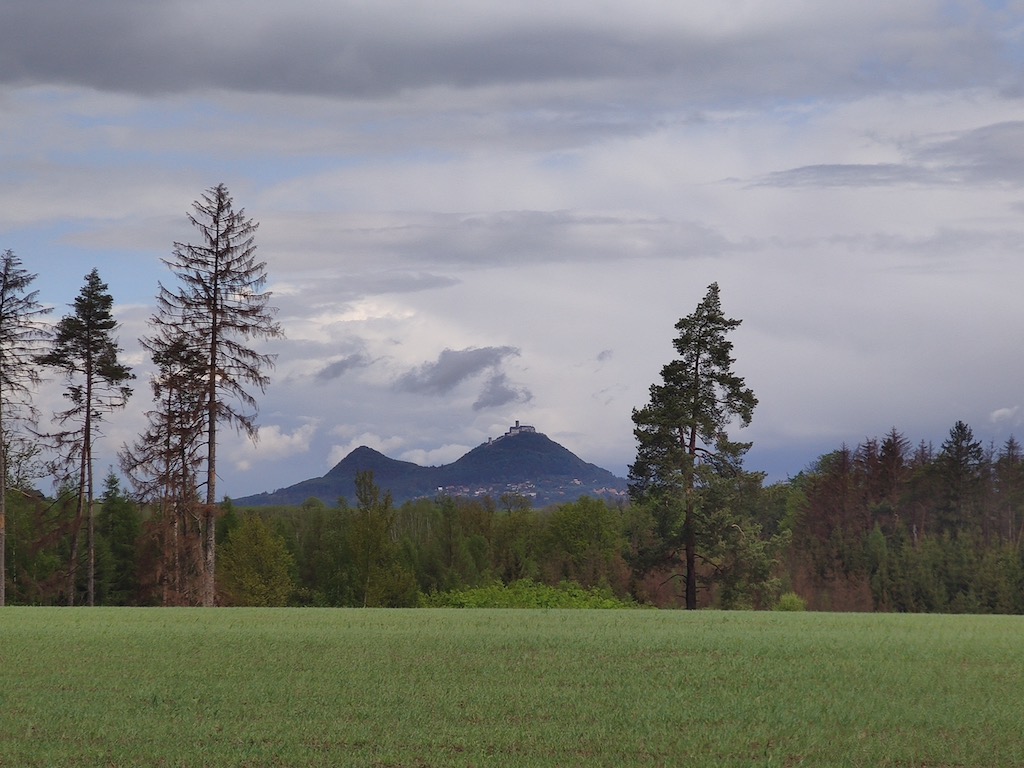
(839, 175)
(452, 368)
(387, 256)
(369, 51)
(516, 236)
(340, 286)
(989, 154)
(340, 367)
(499, 391)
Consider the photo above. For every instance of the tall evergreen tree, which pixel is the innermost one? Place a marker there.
(220, 306)
(85, 350)
(683, 426)
(21, 333)
(893, 465)
(961, 463)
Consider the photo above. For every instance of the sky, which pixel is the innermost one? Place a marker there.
(477, 212)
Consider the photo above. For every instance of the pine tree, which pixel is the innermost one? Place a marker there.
(681, 431)
(219, 306)
(85, 350)
(21, 333)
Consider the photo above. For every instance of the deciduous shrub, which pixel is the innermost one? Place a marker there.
(791, 601)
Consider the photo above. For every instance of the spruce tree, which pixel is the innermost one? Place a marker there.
(220, 306)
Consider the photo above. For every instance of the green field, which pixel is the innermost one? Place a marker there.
(426, 687)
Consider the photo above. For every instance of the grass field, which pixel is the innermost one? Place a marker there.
(305, 687)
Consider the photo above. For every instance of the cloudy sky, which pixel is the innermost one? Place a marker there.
(474, 212)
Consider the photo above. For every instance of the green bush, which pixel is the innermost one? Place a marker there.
(791, 601)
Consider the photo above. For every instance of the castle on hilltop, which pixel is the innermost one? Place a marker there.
(518, 429)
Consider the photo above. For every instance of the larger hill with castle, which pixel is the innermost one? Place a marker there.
(522, 461)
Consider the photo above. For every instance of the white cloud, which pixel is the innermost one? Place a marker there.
(1006, 415)
(274, 444)
(436, 457)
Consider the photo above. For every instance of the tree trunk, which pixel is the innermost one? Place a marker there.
(76, 525)
(689, 525)
(209, 545)
(3, 512)
(210, 553)
(3, 516)
(3, 543)
(210, 532)
(91, 532)
(690, 545)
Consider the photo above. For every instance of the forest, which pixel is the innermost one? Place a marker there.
(886, 526)
(890, 525)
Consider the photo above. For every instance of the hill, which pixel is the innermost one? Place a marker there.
(522, 461)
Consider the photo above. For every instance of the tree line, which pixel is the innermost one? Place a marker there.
(200, 345)
(848, 533)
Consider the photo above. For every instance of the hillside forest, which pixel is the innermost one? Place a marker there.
(888, 525)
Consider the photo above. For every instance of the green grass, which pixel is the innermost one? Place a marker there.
(450, 687)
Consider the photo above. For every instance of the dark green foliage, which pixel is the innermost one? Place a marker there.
(584, 543)
(376, 574)
(320, 546)
(961, 467)
(119, 526)
(255, 565)
(447, 542)
(517, 537)
(37, 548)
